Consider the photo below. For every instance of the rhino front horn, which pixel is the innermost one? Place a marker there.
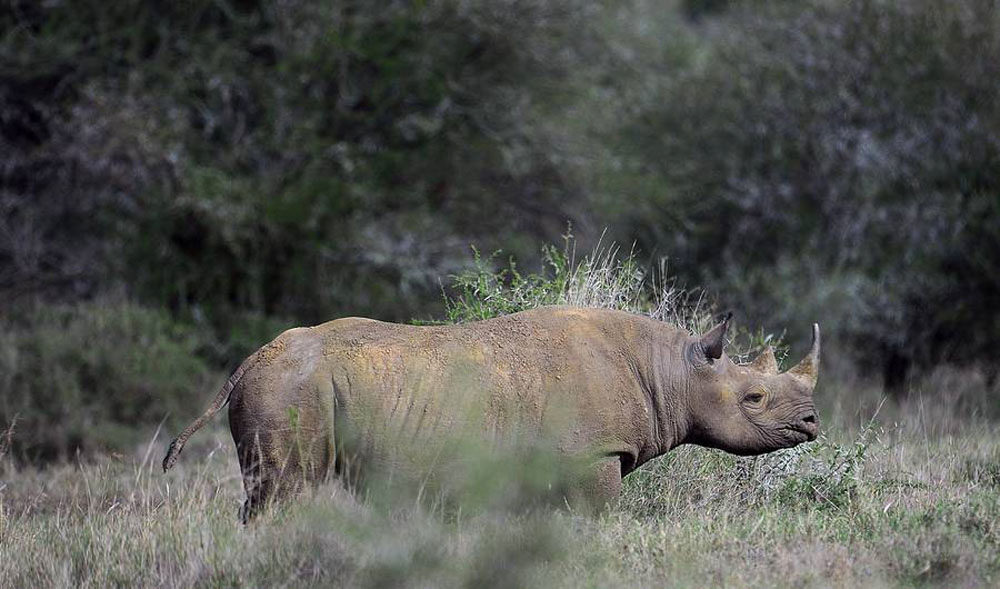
(808, 368)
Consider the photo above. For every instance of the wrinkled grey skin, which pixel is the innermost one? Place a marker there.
(606, 387)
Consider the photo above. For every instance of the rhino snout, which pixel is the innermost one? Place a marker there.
(808, 424)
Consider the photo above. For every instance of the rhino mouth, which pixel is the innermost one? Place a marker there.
(800, 434)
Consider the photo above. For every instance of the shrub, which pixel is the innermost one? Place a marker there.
(95, 377)
(603, 279)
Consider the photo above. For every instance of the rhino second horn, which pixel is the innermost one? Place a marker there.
(808, 368)
(765, 363)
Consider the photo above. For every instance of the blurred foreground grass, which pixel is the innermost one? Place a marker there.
(879, 506)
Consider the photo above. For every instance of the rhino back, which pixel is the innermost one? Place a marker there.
(564, 374)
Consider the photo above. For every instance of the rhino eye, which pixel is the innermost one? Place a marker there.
(755, 396)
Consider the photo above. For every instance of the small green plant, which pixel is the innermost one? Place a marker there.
(484, 291)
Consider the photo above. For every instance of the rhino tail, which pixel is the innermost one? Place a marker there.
(221, 398)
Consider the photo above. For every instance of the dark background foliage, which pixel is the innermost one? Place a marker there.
(181, 180)
(852, 155)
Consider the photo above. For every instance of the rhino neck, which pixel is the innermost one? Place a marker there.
(666, 384)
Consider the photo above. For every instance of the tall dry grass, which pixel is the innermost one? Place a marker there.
(901, 507)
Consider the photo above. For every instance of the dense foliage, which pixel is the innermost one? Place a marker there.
(82, 379)
(297, 158)
(840, 160)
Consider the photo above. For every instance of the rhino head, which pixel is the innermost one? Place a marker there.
(750, 409)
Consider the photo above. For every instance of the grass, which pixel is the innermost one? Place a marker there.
(907, 496)
(882, 507)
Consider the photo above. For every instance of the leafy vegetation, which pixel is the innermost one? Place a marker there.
(81, 379)
(605, 278)
(301, 159)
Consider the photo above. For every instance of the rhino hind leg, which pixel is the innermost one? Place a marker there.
(257, 496)
(258, 478)
(262, 493)
(276, 467)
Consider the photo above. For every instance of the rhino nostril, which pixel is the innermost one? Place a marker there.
(811, 418)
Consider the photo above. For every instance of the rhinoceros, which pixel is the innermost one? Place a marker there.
(612, 388)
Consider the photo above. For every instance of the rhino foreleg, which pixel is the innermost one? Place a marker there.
(599, 488)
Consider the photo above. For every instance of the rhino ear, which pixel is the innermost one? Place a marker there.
(714, 340)
(765, 363)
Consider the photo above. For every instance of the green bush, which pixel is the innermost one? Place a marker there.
(93, 378)
(605, 279)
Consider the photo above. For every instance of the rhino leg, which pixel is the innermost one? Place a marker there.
(279, 455)
(259, 476)
(276, 467)
(599, 488)
(257, 491)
